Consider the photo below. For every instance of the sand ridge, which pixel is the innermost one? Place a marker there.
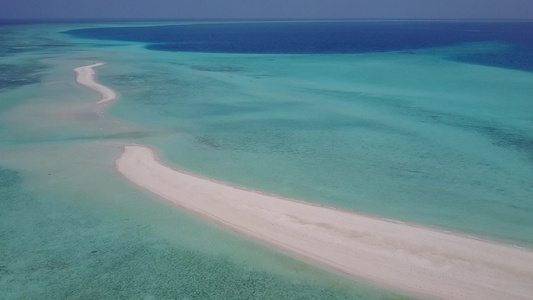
(85, 76)
(406, 257)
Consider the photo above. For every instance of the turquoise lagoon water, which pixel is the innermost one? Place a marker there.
(410, 135)
(72, 228)
(407, 135)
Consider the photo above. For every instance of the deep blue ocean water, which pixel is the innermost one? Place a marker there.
(334, 37)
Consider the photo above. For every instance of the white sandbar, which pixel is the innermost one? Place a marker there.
(406, 257)
(411, 258)
(85, 76)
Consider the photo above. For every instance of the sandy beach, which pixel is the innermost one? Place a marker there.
(85, 76)
(406, 257)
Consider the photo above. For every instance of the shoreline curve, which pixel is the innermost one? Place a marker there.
(85, 76)
(405, 257)
(414, 259)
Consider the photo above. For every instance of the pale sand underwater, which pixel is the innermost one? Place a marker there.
(410, 258)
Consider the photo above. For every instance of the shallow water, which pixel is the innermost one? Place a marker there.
(72, 228)
(412, 137)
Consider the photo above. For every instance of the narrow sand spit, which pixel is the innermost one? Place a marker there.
(411, 258)
(85, 76)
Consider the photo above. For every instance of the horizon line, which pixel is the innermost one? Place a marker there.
(119, 20)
